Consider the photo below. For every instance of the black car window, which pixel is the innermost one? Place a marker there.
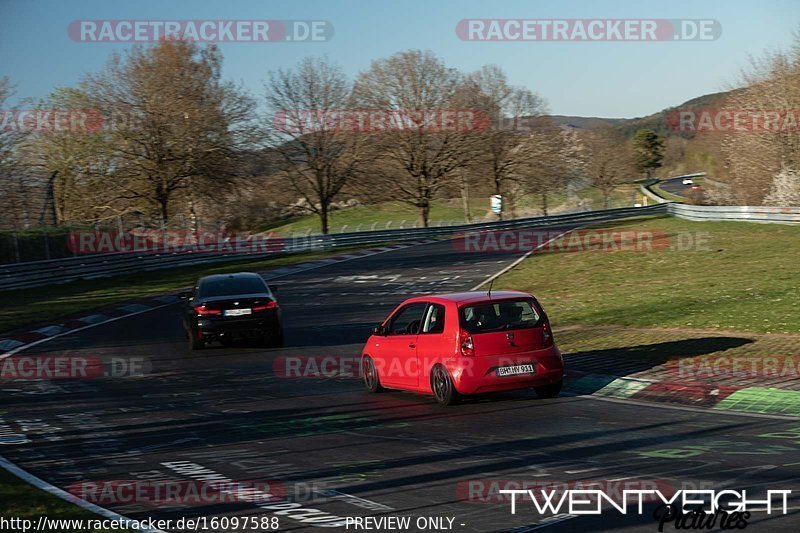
(232, 286)
(434, 319)
(499, 316)
(407, 320)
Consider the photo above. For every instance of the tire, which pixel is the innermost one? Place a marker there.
(442, 386)
(226, 341)
(549, 391)
(194, 342)
(372, 380)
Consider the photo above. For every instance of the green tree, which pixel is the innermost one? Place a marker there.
(649, 148)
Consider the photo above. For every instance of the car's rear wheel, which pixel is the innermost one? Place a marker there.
(549, 391)
(194, 342)
(372, 380)
(442, 386)
(226, 340)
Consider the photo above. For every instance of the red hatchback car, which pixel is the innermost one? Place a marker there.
(464, 343)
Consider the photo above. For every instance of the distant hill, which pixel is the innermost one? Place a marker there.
(656, 122)
(585, 123)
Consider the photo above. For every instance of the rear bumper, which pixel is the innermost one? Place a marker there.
(472, 375)
(238, 327)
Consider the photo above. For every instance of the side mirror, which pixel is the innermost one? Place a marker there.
(379, 330)
(185, 295)
(273, 288)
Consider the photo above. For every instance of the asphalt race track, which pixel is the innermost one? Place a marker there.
(324, 442)
(675, 186)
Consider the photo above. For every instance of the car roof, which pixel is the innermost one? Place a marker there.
(469, 297)
(235, 275)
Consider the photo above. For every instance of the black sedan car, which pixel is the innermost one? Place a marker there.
(224, 307)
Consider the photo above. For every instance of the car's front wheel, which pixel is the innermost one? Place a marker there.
(549, 391)
(371, 379)
(442, 386)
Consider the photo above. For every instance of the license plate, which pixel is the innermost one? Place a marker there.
(514, 370)
(238, 312)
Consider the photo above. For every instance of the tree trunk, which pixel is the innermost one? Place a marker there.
(606, 197)
(544, 203)
(163, 202)
(425, 213)
(323, 217)
(465, 198)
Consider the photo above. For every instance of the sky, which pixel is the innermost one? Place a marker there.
(606, 79)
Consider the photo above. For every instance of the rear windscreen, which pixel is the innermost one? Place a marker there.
(232, 286)
(499, 316)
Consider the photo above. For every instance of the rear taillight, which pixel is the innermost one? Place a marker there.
(272, 304)
(201, 310)
(465, 341)
(547, 335)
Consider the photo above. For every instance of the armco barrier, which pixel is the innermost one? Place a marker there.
(748, 213)
(39, 273)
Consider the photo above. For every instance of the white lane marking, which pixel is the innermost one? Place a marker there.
(519, 260)
(66, 496)
(344, 497)
(580, 471)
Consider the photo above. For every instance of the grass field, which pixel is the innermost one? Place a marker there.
(20, 500)
(746, 277)
(447, 211)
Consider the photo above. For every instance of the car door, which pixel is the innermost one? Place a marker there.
(399, 365)
(432, 346)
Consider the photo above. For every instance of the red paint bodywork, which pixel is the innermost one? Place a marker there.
(405, 361)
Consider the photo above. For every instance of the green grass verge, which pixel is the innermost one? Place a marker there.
(40, 304)
(444, 210)
(745, 277)
(20, 500)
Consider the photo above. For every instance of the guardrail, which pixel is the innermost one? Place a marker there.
(645, 188)
(742, 213)
(40, 273)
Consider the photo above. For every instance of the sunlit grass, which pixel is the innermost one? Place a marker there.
(746, 278)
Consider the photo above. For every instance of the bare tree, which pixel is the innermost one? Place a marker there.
(19, 192)
(76, 165)
(310, 148)
(513, 110)
(415, 161)
(174, 124)
(549, 158)
(609, 161)
(761, 162)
